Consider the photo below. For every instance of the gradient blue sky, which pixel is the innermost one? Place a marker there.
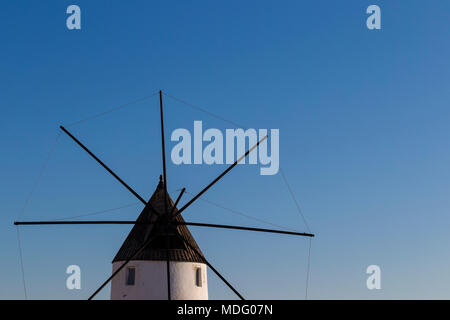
(364, 130)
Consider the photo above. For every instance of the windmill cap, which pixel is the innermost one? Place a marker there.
(156, 250)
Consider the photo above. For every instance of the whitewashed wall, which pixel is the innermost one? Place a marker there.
(151, 281)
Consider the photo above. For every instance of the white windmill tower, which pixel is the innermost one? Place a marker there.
(144, 277)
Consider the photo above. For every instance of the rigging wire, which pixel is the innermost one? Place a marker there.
(27, 200)
(101, 114)
(243, 214)
(99, 212)
(203, 110)
(244, 127)
(43, 168)
(295, 200)
(21, 263)
(282, 174)
(308, 269)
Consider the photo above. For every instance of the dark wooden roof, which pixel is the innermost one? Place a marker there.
(156, 250)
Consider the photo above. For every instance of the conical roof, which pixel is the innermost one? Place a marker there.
(156, 250)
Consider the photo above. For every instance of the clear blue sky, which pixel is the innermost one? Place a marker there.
(364, 130)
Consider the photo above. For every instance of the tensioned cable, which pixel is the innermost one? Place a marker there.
(244, 127)
(282, 174)
(111, 110)
(295, 200)
(243, 214)
(203, 110)
(21, 263)
(308, 269)
(309, 230)
(57, 138)
(99, 212)
(27, 200)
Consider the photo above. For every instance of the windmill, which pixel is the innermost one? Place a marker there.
(160, 241)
